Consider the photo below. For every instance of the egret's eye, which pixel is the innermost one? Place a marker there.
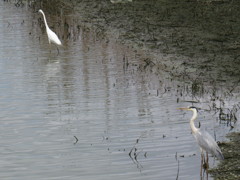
(192, 107)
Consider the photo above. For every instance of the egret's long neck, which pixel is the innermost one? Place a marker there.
(45, 21)
(194, 129)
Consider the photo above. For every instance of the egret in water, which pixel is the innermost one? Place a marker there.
(204, 139)
(52, 37)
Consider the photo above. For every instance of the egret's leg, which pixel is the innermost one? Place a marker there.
(202, 155)
(50, 46)
(205, 163)
(201, 172)
(207, 157)
(202, 161)
(57, 50)
(201, 168)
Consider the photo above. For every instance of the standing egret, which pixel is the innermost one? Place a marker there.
(204, 139)
(52, 37)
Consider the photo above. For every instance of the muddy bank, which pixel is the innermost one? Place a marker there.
(199, 39)
(193, 43)
(190, 47)
(229, 168)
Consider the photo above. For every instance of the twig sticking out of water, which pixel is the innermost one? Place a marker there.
(229, 115)
(135, 150)
(133, 154)
(75, 139)
(19, 3)
(177, 171)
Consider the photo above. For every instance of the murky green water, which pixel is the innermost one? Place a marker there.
(78, 114)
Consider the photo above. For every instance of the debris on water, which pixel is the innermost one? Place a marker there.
(145, 154)
(192, 155)
(75, 139)
(134, 153)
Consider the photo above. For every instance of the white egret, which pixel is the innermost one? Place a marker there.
(52, 37)
(204, 139)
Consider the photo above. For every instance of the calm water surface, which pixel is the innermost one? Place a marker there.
(48, 100)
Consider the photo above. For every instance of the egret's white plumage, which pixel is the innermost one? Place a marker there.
(52, 37)
(203, 138)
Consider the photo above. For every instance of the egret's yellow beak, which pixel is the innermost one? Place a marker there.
(184, 109)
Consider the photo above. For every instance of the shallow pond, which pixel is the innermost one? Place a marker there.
(89, 111)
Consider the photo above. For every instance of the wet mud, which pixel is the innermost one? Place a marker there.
(203, 36)
(229, 168)
(187, 47)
